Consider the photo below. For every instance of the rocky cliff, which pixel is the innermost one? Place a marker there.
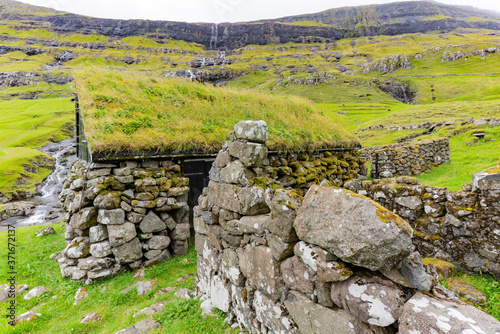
(387, 19)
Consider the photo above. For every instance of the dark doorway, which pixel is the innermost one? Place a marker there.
(197, 172)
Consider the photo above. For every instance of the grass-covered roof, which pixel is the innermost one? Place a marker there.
(136, 113)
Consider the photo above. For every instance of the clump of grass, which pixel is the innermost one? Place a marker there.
(176, 115)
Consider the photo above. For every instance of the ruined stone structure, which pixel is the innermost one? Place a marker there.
(331, 262)
(128, 215)
(458, 226)
(409, 158)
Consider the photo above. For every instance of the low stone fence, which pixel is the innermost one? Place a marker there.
(331, 262)
(456, 226)
(409, 158)
(130, 215)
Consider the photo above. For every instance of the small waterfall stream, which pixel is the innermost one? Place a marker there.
(48, 209)
(213, 38)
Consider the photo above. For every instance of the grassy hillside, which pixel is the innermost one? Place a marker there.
(24, 126)
(138, 113)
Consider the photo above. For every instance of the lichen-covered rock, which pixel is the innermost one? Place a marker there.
(243, 200)
(320, 261)
(101, 249)
(120, 234)
(142, 327)
(91, 317)
(128, 252)
(255, 131)
(466, 291)
(158, 242)
(230, 267)
(107, 201)
(180, 232)
(488, 179)
(370, 298)
(152, 223)
(314, 318)
(273, 315)
(111, 217)
(236, 173)
(98, 233)
(250, 154)
(27, 317)
(162, 257)
(352, 227)
(424, 314)
(284, 205)
(413, 268)
(80, 295)
(246, 225)
(220, 293)
(86, 218)
(280, 249)
(261, 269)
(35, 292)
(297, 276)
(78, 248)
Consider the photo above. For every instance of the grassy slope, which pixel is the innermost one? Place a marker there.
(59, 315)
(24, 126)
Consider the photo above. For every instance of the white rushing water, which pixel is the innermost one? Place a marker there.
(48, 209)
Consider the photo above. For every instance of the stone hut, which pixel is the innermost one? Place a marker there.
(132, 209)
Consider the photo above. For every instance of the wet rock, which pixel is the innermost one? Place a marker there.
(425, 314)
(353, 228)
(370, 298)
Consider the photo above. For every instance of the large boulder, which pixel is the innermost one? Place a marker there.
(243, 200)
(371, 298)
(424, 314)
(353, 228)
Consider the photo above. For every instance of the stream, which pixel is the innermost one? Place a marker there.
(47, 207)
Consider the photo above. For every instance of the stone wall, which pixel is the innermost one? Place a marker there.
(409, 158)
(458, 226)
(128, 215)
(331, 262)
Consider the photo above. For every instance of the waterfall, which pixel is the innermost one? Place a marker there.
(213, 38)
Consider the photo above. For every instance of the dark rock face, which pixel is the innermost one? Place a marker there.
(388, 19)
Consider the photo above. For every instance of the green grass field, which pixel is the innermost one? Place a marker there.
(59, 315)
(26, 125)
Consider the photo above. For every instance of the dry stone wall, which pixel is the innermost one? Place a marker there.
(130, 215)
(332, 261)
(458, 226)
(409, 158)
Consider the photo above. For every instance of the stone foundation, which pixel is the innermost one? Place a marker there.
(130, 215)
(409, 158)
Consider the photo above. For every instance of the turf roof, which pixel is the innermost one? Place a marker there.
(134, 113)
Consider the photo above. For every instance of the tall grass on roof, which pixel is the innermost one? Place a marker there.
(134, 113)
